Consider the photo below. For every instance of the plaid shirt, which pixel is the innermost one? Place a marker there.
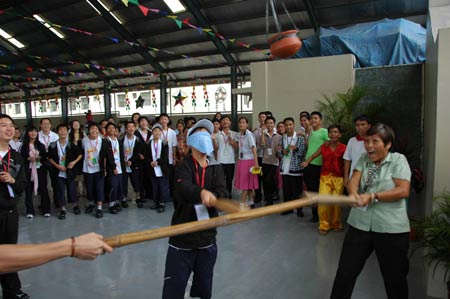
(297, 157)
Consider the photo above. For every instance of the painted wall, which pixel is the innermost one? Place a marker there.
(287, 87)
(436, 109)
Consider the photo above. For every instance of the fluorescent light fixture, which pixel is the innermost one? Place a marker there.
(175, 6)
(11, 39)
(5, 34)
(46, 24)
(106, 8)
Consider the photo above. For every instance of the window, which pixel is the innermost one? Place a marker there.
(84, 103)
(4, 109)
(134, 95)
(17, 109)
(146, 97)
(53, 106)
(73, 104)
(121, 100)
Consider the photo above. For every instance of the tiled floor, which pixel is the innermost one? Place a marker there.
(271, 257)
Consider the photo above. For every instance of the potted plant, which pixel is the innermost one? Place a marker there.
(434, 236)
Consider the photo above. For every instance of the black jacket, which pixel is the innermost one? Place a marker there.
(187, 194)
(163, 161)
(72, 152)
(139, 135)
(25, 153)
(17, 171)
(136, 161)
(106, 157)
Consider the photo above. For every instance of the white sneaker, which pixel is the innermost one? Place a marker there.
(47, 215)
(30, 216)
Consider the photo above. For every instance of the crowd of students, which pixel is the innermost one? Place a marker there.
(210, 157)
(99, 161)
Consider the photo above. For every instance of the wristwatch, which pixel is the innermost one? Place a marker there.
(374, 197)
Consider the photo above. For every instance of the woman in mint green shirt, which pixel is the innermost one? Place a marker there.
(379, 221)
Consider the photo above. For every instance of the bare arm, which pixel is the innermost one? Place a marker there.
(23, 256)
(347, 164)
(400, 191)
(315, 155)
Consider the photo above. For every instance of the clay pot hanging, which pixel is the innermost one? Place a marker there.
(285, 44)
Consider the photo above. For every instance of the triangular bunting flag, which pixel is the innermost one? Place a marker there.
(143, 9)
(135, 2)
(179, 23)
(125, 2)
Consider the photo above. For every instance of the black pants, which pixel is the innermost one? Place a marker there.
(146, 181)
(171, 179)
(9, 230)
(228, 171)
(258, 193)
(179, 266)
(292, 188)
(134, 179)
(270, 181)
(312, 182)
(392, 255)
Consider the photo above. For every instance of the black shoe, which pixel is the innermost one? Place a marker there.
(140, 205)
(269, 203)
(160, 209)
(287, 213)
(62, 215)
(112, 210)
(314, 220)
(89, 209)
(98, 213)
(118, 206)
(124, 204)
(258, 199)
(76, 210)
(21, 295)
(300, 213)
(155, 206)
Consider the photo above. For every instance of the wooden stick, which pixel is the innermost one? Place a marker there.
(230, 206)
(228, 219)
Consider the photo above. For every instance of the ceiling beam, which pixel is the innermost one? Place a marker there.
(312, 14)
(192, 6)
(125, 34)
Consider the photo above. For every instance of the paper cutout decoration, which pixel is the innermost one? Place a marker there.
(140, 102)
(179, 98)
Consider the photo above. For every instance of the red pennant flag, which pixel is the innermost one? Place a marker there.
(186, 21)
(143, 9)
(30, 69)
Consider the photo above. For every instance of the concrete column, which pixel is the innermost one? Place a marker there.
(64, 105)
(234, 106)
(163, 92)
(107, 98)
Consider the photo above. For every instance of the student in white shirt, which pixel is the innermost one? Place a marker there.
(159, 161)
(169, 137)
(15, 142)
(46, 136)
(245, 180)
(97, 159)
(355, 146)
(225, 145)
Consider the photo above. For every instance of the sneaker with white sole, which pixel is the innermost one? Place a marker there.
(47, 215)
(30, 216)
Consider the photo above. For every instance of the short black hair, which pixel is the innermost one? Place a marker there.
(304, 113)
(244, 118)
(93, 124)
(288, 119)
(110, 124)
(2, 115)
(142, 117)
(362, 117)
(335, 126)
(261, 113)
(269, 113)
(384, 131)
(225, 116)
(129, 122)
(61, 126)
(215, 120)
(164, 114)
(270, 118)
(316, 113)
(42, 119)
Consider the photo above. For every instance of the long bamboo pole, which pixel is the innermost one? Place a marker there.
(228, 219)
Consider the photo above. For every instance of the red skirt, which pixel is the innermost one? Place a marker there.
(244, 180)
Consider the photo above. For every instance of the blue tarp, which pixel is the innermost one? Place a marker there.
(385, 42)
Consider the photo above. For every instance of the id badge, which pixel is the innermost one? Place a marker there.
(11, 191)
(269, 151)
(202, 212)
(94, 161)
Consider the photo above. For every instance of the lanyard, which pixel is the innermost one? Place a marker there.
(33, 150)
(46, 142)
(165, 135)
(94, 148)
(155, 147)
(227, 139)
(202, 184)
(62, 149)
(6, 169)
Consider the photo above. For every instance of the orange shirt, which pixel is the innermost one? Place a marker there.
(333, 163)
